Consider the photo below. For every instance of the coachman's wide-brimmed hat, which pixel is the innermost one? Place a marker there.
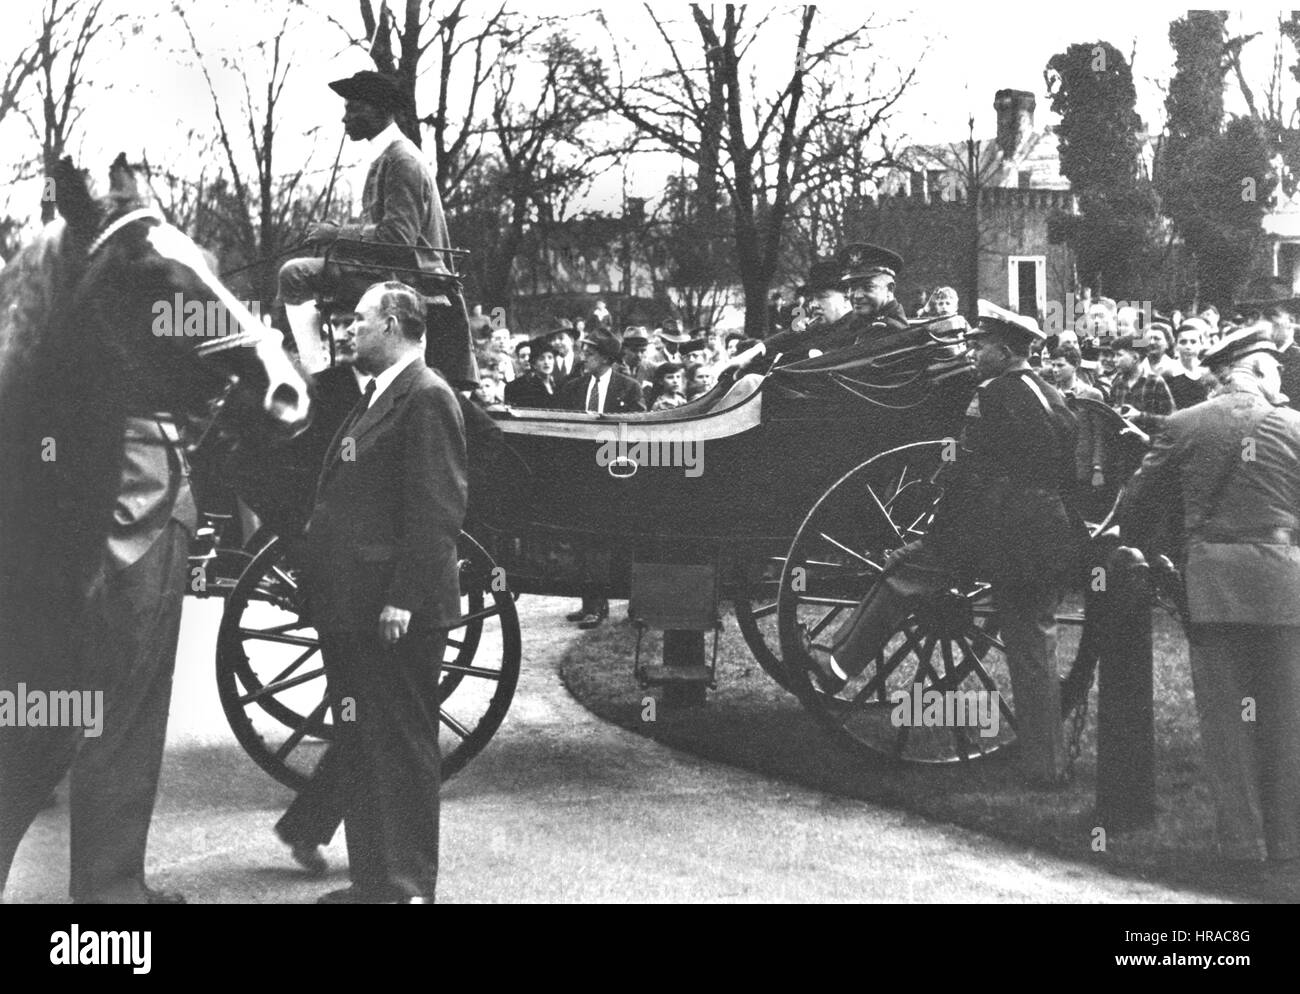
(376, 88)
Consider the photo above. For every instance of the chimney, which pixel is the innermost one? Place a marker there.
(1015, 118)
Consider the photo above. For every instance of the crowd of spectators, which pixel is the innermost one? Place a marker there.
(670, 366)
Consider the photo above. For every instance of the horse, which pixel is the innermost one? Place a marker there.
(82, 359)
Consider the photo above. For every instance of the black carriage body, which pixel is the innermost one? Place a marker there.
(577, 497)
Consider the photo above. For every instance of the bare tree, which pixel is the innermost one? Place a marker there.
(259, 212)
(761, 147)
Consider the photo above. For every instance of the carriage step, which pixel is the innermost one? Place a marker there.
(658, 676)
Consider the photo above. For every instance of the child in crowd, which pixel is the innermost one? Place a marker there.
(668, 390)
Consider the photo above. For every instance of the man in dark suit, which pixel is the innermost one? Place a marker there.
(400, 205)
(383, 586)
(1003, 520)
(603, 389)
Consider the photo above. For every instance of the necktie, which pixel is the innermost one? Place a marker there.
(593, 396)
(362, 406)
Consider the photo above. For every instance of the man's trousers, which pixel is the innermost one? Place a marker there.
(1026, 619)
(128, 651)
(1247, 683)
(386, 758)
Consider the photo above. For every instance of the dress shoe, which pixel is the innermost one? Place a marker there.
(152, 896)
(590, 621)
(144, 895)
(575, 616)
(310, 858)
(828, 676)
(348, 895)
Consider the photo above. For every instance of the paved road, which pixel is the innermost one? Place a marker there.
(564, 808)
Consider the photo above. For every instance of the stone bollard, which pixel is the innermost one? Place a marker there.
(1126, 786)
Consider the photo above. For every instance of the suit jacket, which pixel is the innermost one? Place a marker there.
(385, 523)
(1291, 375)
(623, 394)
(575, 372)
(530, 390)
(400, 203)
(1234, 573)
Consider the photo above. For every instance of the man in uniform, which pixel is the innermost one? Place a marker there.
(400, 204)
(1235, 462)
(870, 276)
(1002, 520)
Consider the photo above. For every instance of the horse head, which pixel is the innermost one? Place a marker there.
(146, 303)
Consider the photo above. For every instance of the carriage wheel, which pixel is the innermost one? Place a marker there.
(755, 605)
(948, 643)
(270, 676)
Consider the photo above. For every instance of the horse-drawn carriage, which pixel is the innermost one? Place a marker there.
(782, 493)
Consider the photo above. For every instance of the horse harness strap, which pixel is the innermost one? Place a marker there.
(130, 217)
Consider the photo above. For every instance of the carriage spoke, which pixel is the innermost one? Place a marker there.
(830, 601)
(764, 611)
(477, 671)
(300, 732)
(275, 688)
(287, 672)
(827, 618)
(886, 669)
(261, 635)
(856, 555)
(465, 619)
(885, 514)
(453, 724)
(977, 667)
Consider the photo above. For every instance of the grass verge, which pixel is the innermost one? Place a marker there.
(750, 722)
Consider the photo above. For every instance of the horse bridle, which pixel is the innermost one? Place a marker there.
(203, 348)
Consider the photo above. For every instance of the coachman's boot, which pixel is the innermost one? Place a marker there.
(862, 636)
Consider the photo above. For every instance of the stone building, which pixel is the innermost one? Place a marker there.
(1001, 249)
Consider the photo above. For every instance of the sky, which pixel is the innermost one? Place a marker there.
(147, 97)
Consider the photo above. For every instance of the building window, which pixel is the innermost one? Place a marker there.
(1027, 285)
(1025, 178)
(1288, 263)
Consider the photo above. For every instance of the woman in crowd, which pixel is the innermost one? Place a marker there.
(668, 390)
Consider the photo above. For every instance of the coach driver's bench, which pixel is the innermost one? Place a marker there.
(352, 266)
